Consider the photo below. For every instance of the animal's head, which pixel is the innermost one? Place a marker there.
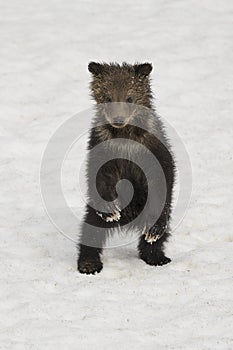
(119, 89)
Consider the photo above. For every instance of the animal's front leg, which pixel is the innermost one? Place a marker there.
(157, 231)
(111, 213)
(109, 208)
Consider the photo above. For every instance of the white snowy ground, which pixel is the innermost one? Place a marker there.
(45, 302)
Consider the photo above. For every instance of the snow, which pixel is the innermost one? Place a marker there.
(45, 302)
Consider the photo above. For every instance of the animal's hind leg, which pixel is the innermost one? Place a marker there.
(151, 244)
(89, 261)
(151, 251)
(91, 242)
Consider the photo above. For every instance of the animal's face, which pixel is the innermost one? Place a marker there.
(118, 89)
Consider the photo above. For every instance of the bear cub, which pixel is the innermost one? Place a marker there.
(124, 118)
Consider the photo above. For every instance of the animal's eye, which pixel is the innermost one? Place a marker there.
(129, 100)
(108, 99)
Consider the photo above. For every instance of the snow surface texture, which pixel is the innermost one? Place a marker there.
(45, 302)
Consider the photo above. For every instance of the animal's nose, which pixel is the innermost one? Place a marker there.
(118, 120)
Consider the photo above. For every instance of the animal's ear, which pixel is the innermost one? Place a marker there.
(143, 69)
(95, 68)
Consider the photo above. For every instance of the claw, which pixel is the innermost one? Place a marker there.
(115, 216)
(151, 238)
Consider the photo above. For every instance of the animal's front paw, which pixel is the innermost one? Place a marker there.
(90, 266)
(154, 233)
(113, 215)
(151, 238)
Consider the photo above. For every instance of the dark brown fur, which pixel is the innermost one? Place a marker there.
(120, 84)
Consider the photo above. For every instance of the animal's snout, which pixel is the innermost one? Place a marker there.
(118, 121)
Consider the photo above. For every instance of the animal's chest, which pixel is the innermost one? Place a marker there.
(130, 162)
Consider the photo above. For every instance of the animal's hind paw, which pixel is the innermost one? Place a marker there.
(155, 259)
(90, 266)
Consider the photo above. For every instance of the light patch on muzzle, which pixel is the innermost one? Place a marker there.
(118, 114)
